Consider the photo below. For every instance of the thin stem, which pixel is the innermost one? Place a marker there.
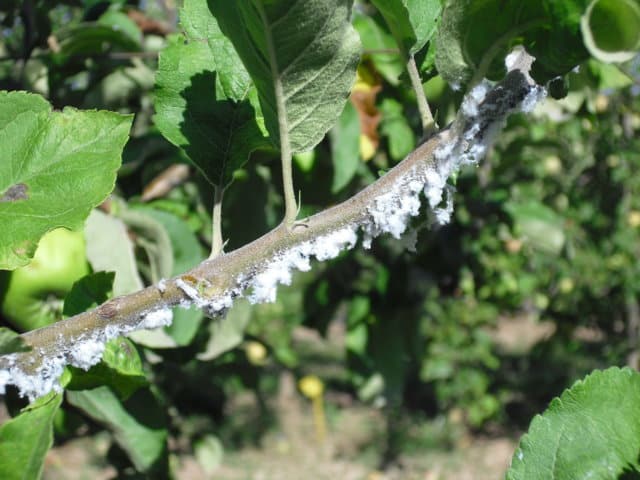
(216, 220)
(428, 124)
(291, 208)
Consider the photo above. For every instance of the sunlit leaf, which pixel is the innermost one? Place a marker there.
(204, 97)
(57, 166)
(591, 431)
(26, 438)
(412, 22)
(302, 57)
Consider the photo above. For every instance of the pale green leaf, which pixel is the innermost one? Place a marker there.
(412, 22)
(153, 238)
(109, 248)
(591, 431)
(204, 97)
(302, 56)
(539, 226)
(209, 453)
(379, 46)
(25, 440)
(56, 167)
(345, 147)
(227, 332)
(395, 127)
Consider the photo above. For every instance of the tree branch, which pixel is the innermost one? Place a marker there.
(385, 206)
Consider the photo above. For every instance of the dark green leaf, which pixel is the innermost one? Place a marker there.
(88, 292)
(473, 32)
(118, 32)
(11, 342)
(121, 23)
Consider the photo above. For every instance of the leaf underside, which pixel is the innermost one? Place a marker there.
(308, 48)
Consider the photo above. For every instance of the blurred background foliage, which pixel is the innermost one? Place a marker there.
(533, 284)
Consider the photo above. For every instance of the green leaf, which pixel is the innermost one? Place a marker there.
(138, 425)
(57, 167)
(609, 76)
(611, 29)
(345, 147)
(227, 332)
(11, 342)
(121, 23)
(591, 431)
(302, 57)
(539, 226)
(187, 251)
(472, 33)
(204, 98)
(88, 292)
(153, 238)
(109, 248)
(412, 22)
(91, 39)
(381, 43)
(25, 440)
(120, 369)
(395, 127)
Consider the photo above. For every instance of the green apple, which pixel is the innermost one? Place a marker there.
(35, 293)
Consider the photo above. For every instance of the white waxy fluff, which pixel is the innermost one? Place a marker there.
(278, 272)
(83, 353)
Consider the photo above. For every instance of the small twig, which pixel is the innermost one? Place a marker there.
(428, 124)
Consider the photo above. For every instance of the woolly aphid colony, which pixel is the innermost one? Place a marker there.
(482, 115)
